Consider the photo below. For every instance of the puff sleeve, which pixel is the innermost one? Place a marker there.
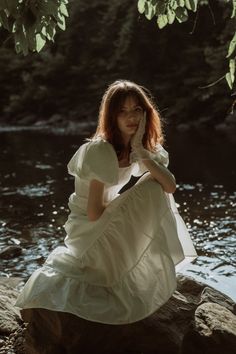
(160, 155)
(95, 160)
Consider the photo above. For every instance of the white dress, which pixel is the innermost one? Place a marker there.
(122, 267)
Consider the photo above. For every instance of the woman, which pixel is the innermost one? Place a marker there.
(121, 251)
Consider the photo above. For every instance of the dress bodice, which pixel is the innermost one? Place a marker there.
(124, 175)
(80, 197)
(97, 159)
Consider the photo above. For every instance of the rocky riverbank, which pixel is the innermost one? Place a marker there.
(71, 125)
(11, 325)
(197, 319)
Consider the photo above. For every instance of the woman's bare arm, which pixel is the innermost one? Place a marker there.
(96, 205)
(161, 175)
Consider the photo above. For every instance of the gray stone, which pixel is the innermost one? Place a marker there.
(165, 332)
(10, 252)
(9, 314)
(11, 324)
(212, 332)
(197, 319)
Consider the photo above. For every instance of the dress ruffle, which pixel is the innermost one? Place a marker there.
(121, 273)
(95, 160)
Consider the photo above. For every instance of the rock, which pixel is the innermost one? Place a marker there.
(27, 120)
(210, 295)
(10, 252)
(11, 324)
(9, 314)
(14, 344)
(55, 118)
(197, 319)
(40, 123)
(191, 317)
(213, 331)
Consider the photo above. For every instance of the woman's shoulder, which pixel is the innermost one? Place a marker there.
(95, 159)
(97, 141)
(101, 147)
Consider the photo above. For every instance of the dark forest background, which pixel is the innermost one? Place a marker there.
(109, 40)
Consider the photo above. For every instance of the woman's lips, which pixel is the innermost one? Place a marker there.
(132, 126)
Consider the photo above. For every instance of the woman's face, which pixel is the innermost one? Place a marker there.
(128, 117)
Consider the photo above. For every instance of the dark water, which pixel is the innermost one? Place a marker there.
(35, 188)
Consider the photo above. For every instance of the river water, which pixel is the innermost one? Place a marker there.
(35, 188)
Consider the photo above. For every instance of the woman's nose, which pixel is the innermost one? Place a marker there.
(131, 114)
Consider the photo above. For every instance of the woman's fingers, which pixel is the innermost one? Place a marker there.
(138, 136)
(142, 125)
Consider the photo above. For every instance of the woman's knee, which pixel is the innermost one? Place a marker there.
(149, 184)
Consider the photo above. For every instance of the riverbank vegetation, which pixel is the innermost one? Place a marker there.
(105, 41)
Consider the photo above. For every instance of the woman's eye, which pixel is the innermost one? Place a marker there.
(138, 109)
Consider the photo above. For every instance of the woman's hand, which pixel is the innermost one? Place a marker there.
(138, 152)
(160, 173)
(136, 140)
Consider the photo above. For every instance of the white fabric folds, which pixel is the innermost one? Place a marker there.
(120, 268)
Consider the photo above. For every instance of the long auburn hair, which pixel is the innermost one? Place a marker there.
(112, 102)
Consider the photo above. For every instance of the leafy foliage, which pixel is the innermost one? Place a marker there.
(32, 22)
(105, 41)
(167, 11)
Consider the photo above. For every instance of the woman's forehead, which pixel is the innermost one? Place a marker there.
(130, 101)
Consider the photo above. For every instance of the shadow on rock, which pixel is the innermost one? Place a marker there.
(197, 319)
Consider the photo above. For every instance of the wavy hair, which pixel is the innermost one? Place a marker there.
(112, 102)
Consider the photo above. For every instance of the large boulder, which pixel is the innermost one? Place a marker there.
(197, 319)
(213, 331)
(11, 324)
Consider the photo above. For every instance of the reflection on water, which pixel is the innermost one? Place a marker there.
(35, 187)
(210, 215)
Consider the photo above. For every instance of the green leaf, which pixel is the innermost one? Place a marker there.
(170, 16)
(181, 3)
(141, 6)
(4, 20)
(149, 12)
(232, 69)
(61, 23)
(174, 4)
(181, 14)
(234, 8)
(162, 21)
(228, 79)
(63, 10)
(40, 42)
(232, 46)
(191, 5)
